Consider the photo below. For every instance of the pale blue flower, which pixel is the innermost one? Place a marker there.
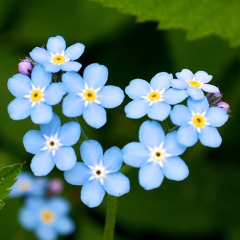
(156, 155)
(52, 145)
(48, 218)
(56, 57)
(198, 121)
(154, 98)
(88, 96)
(35, 96)
(98, 173)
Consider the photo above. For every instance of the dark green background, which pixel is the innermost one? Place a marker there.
(206, 204)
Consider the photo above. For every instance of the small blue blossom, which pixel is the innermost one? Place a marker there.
(52, 145)
(198, 121)
(56, 57)
(195, 84)
(28, 185)
(88, 96)
(156, 155)
(153, 99)
(34, 97)
(98, 173)
(48, 218)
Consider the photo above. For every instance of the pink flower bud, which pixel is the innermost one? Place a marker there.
(25, 67)
(55, 187)
(224, 105)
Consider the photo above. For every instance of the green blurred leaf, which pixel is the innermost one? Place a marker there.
(199, 18)
(8, 176)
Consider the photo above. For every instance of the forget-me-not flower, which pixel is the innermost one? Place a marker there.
(35, 96)
(47, 217)
(98, 173)
(198, 121)
(152, 98)
(52, 145)
(56, 57)
(88, 96)
(156, 155)
(195, 84)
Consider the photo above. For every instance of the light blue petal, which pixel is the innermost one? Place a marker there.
(51, 67)
(112, 159)
(216, 116)
(137, 88)
(159, 111)
(33, 141)
(52, 127)
(40, 77)
(136, 108)
(199, 106)
(27, 218)
(185, 74)
(92, 193)
(172, 146)
(56, 44)
(174, 96)
(187, 135)
(195, 93)
(174, 168)
(161, 81)
(35, 203)
(72, 105)
(41, 113)
(110, 96)
(19, 108)
(151, 134)
(116, 184)
(210, 88)
(54, 93)
(91, 152)
(150, 176)
(180, 115)
(46, 232)
(65, 158)
(78, 175)
(74, 51)
(65, 225)
(210, 137)
(69, 133)
(71, 66)
(95, 75)
(42, 163)
(19, 85)
(202, 76)
(179, 84)
(73, 82)
(59, 205)
(95, 115)
(40, 55)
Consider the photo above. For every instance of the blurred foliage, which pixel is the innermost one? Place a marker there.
(206, 204)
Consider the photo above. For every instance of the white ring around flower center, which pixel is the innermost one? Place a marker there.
(52, 143)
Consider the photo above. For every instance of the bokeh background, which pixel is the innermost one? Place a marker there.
(204, 206)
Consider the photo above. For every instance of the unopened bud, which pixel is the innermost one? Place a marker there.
(55, 187)
(25, 67)
(224, 105)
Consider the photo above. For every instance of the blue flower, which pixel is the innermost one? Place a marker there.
(194, 83)
(28, 185)
(34, 97)
(88, 96)
(98, 173)
(156, 155)
(52, 145)
(198, 121)
(48, 218)
(153, 99)
(56, 57)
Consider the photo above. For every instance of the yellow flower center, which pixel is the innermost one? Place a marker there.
(154, 96)
(36, 95)
(158, 155)
(24, 186)
(89, 95)
(47, 216)
(198, 120)
(194, 83)
(59, 59)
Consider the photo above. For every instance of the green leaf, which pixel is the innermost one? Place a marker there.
(199, 18)
(8, 176)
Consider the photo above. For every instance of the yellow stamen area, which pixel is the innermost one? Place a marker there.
(36, 95)
(24, 186)
(194, 83)
(59, 59)
(47, 216)
(198, 120)
(154, 96)
(89, 95)
(158, 155)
